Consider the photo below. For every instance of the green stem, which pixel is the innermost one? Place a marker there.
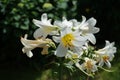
(87, 77)
(60, 70)
(60, 73)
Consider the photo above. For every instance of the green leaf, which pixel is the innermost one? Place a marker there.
(24, 27)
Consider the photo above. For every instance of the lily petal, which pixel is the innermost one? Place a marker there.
(108, 64)
(44, 17)
(101, 63)
(39, 33)
(92, 22)
(91, 38)
(37, 22)
(56, 39)
(29, 54)
(61, 51)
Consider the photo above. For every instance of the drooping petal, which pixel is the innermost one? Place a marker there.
(78, 65)
(26, 49)
(91, 38)
(60, 51)
(108, 64)
(29, 54)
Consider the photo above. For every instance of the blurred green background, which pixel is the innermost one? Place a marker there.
(16, 20)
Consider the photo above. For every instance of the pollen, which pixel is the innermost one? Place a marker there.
(88, 64)
(67, 40)
(75, 56)
(105, 58)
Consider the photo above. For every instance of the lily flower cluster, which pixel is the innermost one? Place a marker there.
(70, 39)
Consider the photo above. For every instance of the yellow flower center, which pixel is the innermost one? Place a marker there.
(88, 64)
(75, 56)
(105, 58)
(67, 40)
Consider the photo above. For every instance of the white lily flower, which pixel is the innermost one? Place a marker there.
(87, 29)
(45, 27)
(89, 65)
(68, 40)
(32, 44)
(75, 24)
(72, 55)
(64, 23)
(106, 54)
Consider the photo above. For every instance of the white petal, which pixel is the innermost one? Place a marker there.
(37, 22)
(101, 63)
(28, 43)
(67, 23)
(65, 31)
(108, 64)
(39, 33)
(61, 51)
(56, 39)
(94, 68)
(79, 41)
(29, 54)
(92, 22)
(75, 22)
(78, 65)
(44, 17)
(111, 56)
(91, 38)
(114, 50)
(95, 30)
(58, 23)
(83, 20)
(25, 49)
(78, 50)
(101, 51)
(107, 42)
(86, 59)
(53, 33)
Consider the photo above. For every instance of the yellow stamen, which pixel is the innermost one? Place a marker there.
(67, 40)
(105, 58)
(88, 64)
(75, 56)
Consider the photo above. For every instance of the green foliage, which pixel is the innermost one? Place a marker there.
(18, 14)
